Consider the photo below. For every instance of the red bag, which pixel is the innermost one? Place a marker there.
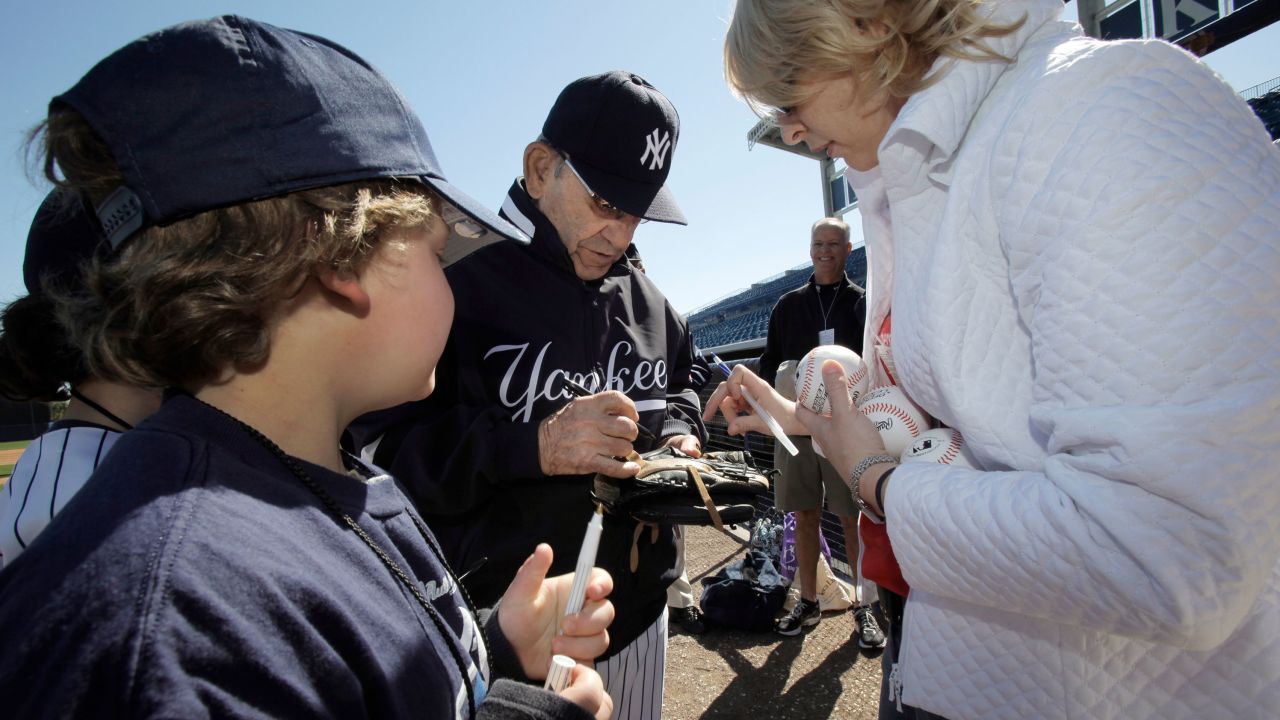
(878, 562)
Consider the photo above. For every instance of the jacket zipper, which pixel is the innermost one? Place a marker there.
(895, 676)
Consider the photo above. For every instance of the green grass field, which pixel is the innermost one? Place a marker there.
(7, 470)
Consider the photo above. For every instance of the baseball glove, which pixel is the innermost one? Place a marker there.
(672, 488)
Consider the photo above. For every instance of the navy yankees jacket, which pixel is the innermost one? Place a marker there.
(469, 453)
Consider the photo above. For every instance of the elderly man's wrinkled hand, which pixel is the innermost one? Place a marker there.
(688, 444)
(590, 435)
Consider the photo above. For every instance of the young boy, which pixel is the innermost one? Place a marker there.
(38, 363)
(278, 226)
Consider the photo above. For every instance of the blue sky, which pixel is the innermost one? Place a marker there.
(482, 76)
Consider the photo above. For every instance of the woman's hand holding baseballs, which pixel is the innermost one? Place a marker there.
(847, 436)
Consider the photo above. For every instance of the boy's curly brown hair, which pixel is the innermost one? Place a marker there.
(181, 305)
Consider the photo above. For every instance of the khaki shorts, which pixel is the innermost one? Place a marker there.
(806, 478)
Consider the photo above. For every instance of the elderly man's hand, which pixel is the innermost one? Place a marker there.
(688, 444)
(589, 435)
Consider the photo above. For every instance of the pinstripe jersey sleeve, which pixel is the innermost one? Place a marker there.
(50, 472)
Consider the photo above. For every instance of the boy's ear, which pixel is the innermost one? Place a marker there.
(344, 287)
(539, 164)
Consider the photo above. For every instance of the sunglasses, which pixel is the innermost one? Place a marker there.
(605, 207)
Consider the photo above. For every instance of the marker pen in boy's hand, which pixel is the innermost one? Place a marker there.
(586, 560)
(582, 573)
(558, 676)
(774, 427)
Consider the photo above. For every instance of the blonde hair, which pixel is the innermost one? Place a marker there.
(773, 44)
(831, 222)
(178, 305)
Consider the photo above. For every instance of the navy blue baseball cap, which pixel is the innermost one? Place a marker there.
(63, 236)
(619, 133)
(218, 112)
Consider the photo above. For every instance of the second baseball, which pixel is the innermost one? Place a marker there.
(811, 391)
(897, 419)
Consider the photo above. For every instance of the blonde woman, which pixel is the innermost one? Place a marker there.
(1076, 243)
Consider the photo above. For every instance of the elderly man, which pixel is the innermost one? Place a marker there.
(502, 455)
(827, 310)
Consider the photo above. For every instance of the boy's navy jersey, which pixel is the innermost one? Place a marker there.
(195, 576)
(468, 454)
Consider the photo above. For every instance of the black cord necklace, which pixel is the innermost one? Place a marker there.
(336, 511)
(101, 410)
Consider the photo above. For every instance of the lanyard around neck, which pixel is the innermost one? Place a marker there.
(826, 312)
(101, 410)
(299, 472)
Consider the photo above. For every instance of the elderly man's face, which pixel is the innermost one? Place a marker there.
(594, 236)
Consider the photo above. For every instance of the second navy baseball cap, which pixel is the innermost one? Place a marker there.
(218, 112)
(64, 235)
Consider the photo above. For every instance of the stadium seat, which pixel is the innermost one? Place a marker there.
(745, 315)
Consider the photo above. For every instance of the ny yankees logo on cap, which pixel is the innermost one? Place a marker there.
(658, 147)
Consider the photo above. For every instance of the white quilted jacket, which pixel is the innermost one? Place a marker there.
(1084, 268)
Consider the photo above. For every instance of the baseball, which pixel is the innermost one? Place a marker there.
(811, 391)
(940, 445)
(895, 416)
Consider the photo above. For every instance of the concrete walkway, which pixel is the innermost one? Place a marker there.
(735, 674)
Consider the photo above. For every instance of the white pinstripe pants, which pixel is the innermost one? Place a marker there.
(680, 592)
(634, 678)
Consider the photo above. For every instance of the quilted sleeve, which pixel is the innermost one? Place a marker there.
(1141, 221)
